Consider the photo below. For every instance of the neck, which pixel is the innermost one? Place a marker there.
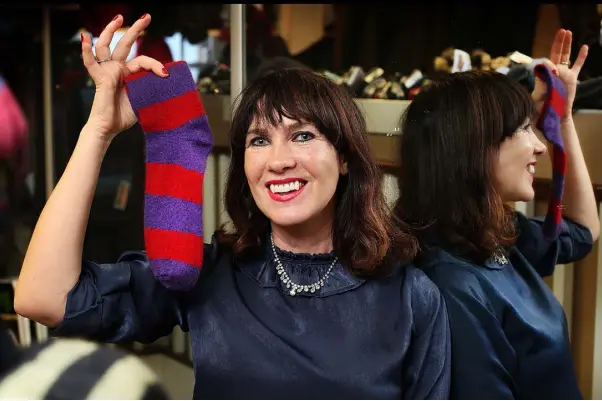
(304, 239)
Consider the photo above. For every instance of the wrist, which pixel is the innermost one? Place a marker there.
(96, 137)
(567, 119)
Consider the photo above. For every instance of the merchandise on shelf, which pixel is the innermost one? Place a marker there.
(214, 80)
(377, 83)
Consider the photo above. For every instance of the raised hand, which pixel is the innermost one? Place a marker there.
(560, 63)
(561, 56)
(111, 111)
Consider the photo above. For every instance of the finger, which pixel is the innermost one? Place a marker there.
(124, 46)
(580, 59)
(551, 66)
(539, 88)
(144, 63)
(556, 50)
(566, 47)
(88, 58)
(104, 40)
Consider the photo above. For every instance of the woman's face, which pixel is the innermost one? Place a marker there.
(293, 171)
(514, 169)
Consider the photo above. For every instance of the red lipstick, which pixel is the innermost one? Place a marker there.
(286, 196)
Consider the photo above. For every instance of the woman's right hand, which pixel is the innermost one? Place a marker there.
(111, 111)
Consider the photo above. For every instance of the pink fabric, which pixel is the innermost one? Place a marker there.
(13, 125)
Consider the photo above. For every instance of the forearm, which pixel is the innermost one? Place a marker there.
(579, 199)
(53, 260)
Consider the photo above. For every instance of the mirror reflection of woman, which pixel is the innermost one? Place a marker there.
(468, 148)
(303, 299)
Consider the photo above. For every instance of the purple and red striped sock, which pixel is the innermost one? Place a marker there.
(178, 142)
(549, 124)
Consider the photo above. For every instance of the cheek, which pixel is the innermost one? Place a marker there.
(322, 162)
(523, 150)
(504, 169)
(252, 165)
(515, 155)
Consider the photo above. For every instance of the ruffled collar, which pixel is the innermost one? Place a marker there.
(302, 268)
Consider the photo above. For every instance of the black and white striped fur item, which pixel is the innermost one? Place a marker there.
(77, 369)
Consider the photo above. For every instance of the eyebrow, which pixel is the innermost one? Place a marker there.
(263, 131)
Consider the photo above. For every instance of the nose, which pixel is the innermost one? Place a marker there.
(281, 158)
(539, 148)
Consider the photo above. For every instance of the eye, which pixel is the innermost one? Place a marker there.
(527, 127)
(303, 136)
(258, 141)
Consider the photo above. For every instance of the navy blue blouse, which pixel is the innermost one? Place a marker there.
(509, 332)
(352, 339)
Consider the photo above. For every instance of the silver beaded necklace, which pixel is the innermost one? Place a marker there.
(294, 287)
(499, 256)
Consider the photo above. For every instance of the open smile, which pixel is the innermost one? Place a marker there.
(531, 168)
(285, 190)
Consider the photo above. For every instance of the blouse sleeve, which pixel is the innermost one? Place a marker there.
(120, 302)
(574, 242)
(483, 359)
(426, 374)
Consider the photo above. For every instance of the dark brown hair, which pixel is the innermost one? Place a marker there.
(451, 135)
(363, 233)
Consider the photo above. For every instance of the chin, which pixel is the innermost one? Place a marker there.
(526, 196)
(522, 195)
(287, 219)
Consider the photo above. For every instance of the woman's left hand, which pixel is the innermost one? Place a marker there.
(559, 63)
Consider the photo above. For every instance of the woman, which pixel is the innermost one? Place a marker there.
(468, 148)
(300, 299)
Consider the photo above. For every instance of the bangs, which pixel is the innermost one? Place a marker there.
(517, 106)
(295, 94)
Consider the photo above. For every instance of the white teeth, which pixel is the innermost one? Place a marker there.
(288, 187)
(531, 168)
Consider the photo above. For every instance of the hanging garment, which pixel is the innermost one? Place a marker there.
(13, 141)
(154, 47)
(13, 125)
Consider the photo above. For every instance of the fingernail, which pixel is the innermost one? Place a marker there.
(164, 71)
(116, 17)
(555, 71)
(144, 16)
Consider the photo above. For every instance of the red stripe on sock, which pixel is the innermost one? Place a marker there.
(555, 210)
(559, 160)
(174, 180)
(557, 102)
(172, 113)
(558, 216)
(553, 204)
(174, 245)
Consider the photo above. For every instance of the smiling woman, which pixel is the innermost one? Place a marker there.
(297, 132)
(468, 149)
